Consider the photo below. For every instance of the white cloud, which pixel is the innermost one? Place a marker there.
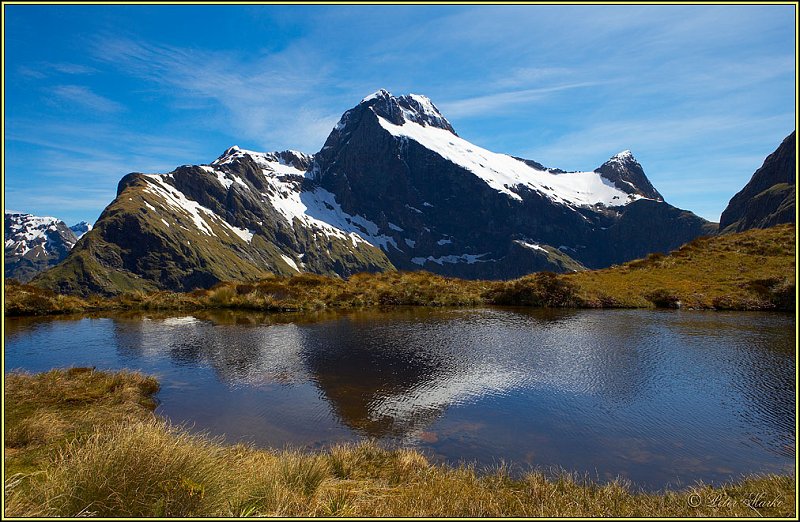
(77, 95)
(494, 103)
(269, 99)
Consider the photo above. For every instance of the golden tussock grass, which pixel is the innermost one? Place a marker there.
(752, 270)
(122, 461)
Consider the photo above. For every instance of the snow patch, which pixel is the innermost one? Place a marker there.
(377, 94)
(245, 234)
(532, 246)
(502, 172)
(196, 212)
(319, 211)
(290, 262)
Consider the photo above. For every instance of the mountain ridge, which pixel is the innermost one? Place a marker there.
(393, 187)
(768, 199)
(34, 243)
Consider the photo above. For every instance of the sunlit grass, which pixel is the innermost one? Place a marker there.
(753, 270)
(85, 443)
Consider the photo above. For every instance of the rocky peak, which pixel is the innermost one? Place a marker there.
(34, 243)
(410, 107)
(291, 158)
(80, 229)
(769, 197)
(627, 174)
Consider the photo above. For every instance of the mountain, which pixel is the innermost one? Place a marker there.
(457, 209)
(394, 187)
(80, 229)
(241, 217)
(34, 243)
(768, 198)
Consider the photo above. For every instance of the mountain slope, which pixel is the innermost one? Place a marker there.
(34, 243)
(240, 218)
(397, 160)
(394, 186)
(768, 198)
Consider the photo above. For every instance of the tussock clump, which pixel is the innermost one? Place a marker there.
(663, 298)
(544, 289)
(130, 465)
(134, 470)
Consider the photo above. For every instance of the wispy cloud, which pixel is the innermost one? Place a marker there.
(501, 101)
(85, 148)
(44, 69)
(69, 200)
(80, 96)
(272, 98)
(659, 136)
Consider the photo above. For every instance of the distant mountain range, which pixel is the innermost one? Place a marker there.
(35, 243)
(394, 187)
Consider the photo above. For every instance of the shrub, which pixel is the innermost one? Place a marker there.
(663, 298)
(542, 289)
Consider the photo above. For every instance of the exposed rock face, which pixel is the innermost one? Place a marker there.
(34, 243)
(394, 186)
(628, 176)
(466, 211)
(769, 197)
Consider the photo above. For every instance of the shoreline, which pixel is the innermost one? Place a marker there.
(753, 271)
(119, 459)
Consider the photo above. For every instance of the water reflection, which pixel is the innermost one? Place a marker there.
(657, 397)
(240, 353)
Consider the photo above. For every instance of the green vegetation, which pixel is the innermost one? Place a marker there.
(85, 443)
(753, 270)
(142, 243)
(44, 411)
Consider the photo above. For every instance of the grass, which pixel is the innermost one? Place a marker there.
(753, 270)
(92, 447)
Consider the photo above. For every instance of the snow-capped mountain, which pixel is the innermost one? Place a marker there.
(80, 229)
(34, 243)
(456, 208)
(394, 186)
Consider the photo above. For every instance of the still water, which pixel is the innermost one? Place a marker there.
(662, 398)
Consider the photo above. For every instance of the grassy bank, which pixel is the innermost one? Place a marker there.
(753, 270)
(82, 442)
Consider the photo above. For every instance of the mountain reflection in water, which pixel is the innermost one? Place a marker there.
(657, 397)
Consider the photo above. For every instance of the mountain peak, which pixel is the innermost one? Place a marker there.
(627, 174)
(380, 93)
(415, 108)
(80, 229)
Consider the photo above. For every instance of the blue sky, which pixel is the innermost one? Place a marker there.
(700, 94)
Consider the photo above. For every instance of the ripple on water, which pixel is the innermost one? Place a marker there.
(661, 398)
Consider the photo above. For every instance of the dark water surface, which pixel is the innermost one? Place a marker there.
(661, 398)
